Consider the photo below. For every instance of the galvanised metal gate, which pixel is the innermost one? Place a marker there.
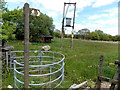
(46, 69)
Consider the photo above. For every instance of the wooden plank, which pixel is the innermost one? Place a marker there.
(108, 79)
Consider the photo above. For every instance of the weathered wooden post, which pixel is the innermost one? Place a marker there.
(119, 75)
(100, 72)
(34, 12)
(26, 45)
(118, 71)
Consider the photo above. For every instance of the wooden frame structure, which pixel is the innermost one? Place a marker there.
(114, 81)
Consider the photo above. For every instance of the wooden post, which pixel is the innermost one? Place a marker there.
(119, 76)
(73, 24)
(26, 45)
(100, 66)
(115, 78)
(100, 72)
(62, 33)
(118, 62)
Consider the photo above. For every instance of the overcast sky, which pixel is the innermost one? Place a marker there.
(91, 14)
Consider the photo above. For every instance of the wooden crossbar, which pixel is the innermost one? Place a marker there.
(108, 79)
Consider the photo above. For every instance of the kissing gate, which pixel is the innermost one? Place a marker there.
(46, 69)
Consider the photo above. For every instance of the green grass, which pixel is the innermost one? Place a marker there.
(81, 61)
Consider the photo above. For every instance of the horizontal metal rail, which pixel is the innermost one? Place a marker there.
(53, 68)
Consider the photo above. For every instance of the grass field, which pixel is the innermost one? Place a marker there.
(81, 61)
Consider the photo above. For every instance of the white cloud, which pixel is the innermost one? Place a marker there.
(14, 1)
(107, 25)
(52, 14)
(113, 31)
(99, 3)
(92, 27)
(113, 12)
(98, 16)
(58, 25)
(107, 22)
(57, 5)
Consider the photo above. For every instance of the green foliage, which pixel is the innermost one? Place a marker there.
(2, 6)
(94, 36)
(42, 25)
(116, 38)
(15, 16)
(57, 34)
(84, 33)
(7, 31)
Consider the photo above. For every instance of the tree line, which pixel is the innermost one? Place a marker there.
(87, 35)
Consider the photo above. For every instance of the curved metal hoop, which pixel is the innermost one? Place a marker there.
(46, 69)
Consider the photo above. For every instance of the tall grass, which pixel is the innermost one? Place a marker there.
(81, 62)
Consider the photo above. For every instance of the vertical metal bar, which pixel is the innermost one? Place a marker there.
(53, 57)
(63, 71)
(14, 75)
(50, 76)
(10, 61)
(7, 59)
(40, 69)
(26, 45)
(74, 15)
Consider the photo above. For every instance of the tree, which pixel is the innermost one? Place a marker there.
(100, 33)
(57, 33)
(103, 36)
(84, 33)
(106, 37)
(16, 17)
(94, 36)
(2, 6)
(116, 38)
(7, 27)
(7, 30)
(42, 25)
